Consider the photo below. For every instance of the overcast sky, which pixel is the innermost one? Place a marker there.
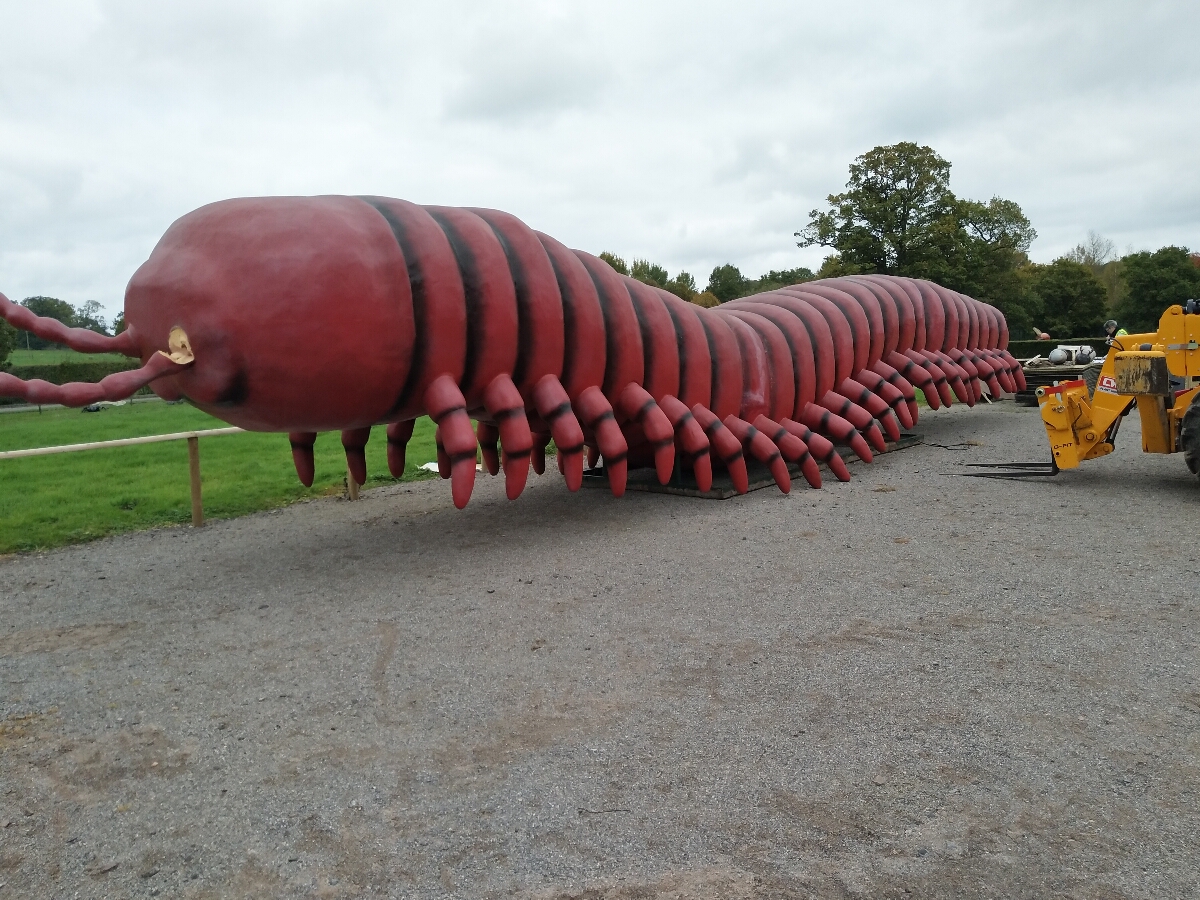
(689, 133)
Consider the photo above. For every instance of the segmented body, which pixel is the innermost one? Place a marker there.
(337, 313)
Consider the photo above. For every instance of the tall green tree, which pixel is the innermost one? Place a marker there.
(727, 283)
(89, 316)
(1072, 299)
(1154, 281)
(984, 254)
(898, 216)
(615, 261)
(887, 220)
(51, 308)
(682, 286)
(649, 273)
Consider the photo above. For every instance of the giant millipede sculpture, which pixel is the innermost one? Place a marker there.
(310, 314)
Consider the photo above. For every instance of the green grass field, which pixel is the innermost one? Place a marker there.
(48, 501)
(54, 357)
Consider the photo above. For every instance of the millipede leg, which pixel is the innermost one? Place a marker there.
(873, 404)
(1000, 370)
(792, 448)
(725, 446)
(596, 413)
(302, 455)
(902, 384)
(955, 376)
(888, 393)
(487, 435)
(857, 416)
(554, 406)
(916, 375)
(820, 447)
(398, 436)
(505, 404)
(825, 422)
(761, 448)
(443, 458)
(693, 445)
(937, 378)
(537, 459)
(354, 441)
(636, 404)
(455, 437)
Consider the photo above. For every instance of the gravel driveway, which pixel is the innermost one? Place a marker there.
(909, 685)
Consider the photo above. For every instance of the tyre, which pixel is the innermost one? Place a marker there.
(1189, 437)
(1091, 375)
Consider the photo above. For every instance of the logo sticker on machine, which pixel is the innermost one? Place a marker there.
(1107, 383)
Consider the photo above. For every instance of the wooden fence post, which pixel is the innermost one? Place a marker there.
(194, 468)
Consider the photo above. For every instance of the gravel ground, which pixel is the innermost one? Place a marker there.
(908, 685)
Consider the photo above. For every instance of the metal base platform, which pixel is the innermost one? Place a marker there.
(684, 484)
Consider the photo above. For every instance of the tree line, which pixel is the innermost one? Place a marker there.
(898, 216)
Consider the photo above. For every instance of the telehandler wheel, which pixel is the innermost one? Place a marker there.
(1189, 437)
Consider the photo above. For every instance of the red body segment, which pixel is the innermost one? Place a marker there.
(309, 314)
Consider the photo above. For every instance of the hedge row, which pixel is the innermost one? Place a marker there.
(61, 373)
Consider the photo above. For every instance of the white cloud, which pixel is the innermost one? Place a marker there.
(690, 133)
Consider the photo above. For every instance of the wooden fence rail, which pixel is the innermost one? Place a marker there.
(192, 437)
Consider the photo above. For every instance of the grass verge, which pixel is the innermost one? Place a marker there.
(48, 501)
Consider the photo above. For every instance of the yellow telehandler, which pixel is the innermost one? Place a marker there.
(1159, 372)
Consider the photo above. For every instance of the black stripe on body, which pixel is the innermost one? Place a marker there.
(681, 344)
(647, 335)
(787, 337)
(568, 310)
(610, 350)
(744, 352)
(468, 272)
(714, 367)
(416, 283)
(812, 341)
(849, 322)
(520, 281)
